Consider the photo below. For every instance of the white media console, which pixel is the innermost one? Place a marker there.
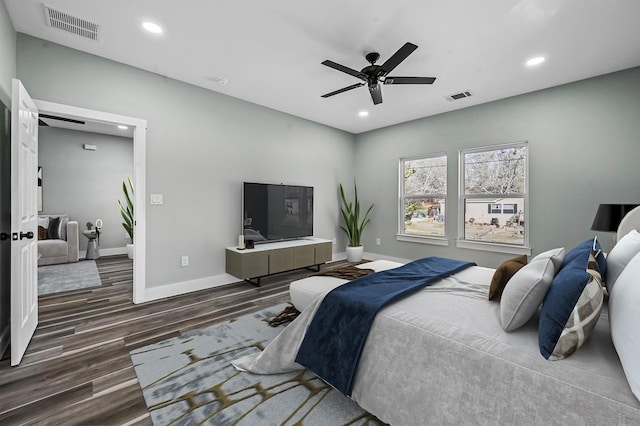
(271, 258)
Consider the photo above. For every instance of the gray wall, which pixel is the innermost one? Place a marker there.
(201, 146)
(86, 185)
(7, 72)
(7, 55)
(584, 147)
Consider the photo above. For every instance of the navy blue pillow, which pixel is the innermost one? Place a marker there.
(564, 292)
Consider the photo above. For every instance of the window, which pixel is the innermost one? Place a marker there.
(493, 198)
(510, 208)
(495, 208)
(423, 193)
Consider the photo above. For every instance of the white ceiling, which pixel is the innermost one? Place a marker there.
(271, 51)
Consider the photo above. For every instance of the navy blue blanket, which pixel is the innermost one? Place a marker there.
(335, 338)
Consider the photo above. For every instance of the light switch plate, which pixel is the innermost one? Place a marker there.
(156, 199)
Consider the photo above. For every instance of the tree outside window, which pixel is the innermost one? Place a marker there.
(423, 193)
(493, 196)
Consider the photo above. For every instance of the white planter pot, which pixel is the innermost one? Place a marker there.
(354, 254)
(130, 251)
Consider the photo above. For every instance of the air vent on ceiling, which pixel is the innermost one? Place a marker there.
(460, 95)
(72, 24)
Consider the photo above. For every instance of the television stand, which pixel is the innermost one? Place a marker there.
(272, 258)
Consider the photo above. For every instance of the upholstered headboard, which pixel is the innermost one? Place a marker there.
(630, 221)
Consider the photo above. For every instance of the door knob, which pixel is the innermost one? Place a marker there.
(28, 235)
(4, 236)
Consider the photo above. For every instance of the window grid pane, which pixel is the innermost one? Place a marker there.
(425, 176)
(504, 227)
(494, 195)
(498, 171)
(424, 217)
(423, 196)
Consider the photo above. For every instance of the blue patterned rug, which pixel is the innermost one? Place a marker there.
(189, 380)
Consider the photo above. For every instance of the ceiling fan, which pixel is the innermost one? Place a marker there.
(373, 74)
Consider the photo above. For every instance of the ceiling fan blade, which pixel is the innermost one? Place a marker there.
(344, 89)
(344, 69)
(398, 57)
(376, 94)
(409, 80)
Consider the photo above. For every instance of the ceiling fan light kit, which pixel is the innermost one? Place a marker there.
(373, 74)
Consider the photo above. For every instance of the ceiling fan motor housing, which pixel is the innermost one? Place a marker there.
(372, 57)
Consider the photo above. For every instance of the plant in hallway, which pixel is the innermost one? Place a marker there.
(126, 210)
(353, 224)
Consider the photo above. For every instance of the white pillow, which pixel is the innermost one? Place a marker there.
(624, 319)
(620, 255)
(526, 290)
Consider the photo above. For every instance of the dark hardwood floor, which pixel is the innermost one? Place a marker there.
(77, 368)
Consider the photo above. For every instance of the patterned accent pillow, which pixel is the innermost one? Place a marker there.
(503, 274)
(573, 303)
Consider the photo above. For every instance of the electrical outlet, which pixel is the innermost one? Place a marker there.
(185, 261)
(377, 241)
(334, 241)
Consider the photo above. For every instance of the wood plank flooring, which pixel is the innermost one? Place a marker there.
(77, 368)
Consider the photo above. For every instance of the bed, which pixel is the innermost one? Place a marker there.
(441, 356)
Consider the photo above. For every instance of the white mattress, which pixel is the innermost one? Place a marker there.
(304, 291)
(462, 359)
(440, 356)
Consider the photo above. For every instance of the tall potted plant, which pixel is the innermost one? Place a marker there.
(126, 210)
(353, 224)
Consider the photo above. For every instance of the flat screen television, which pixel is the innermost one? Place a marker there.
(276, 212)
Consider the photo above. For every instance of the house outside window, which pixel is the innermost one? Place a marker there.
(493, 199)
(422, 204)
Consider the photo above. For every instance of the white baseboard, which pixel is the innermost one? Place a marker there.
(106, 252)
(375, 256)
(370, 256)
(184, 287)
(176, 289)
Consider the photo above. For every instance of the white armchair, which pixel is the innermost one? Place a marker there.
(57, 240)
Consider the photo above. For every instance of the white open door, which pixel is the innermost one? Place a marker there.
(24, 220)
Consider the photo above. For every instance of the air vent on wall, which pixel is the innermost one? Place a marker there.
(460, 95)
(72, 24)
(65, 119)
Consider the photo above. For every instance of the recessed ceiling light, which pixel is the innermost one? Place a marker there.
(363, 113)
(122, 127)
(152, 27)
(535, 61)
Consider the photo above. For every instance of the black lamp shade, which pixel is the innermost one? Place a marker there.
(609, 216)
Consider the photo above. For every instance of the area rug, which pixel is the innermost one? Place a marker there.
(189, 380)
(67, 276)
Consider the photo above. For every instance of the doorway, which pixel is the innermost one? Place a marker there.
(138, 128)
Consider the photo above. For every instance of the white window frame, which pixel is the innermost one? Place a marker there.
(423, 239)
(461, 242)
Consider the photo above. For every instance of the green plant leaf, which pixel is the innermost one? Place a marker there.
(350, 213)
(126, 208)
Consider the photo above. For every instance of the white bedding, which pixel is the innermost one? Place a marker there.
(304, 291)
(440, 356)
